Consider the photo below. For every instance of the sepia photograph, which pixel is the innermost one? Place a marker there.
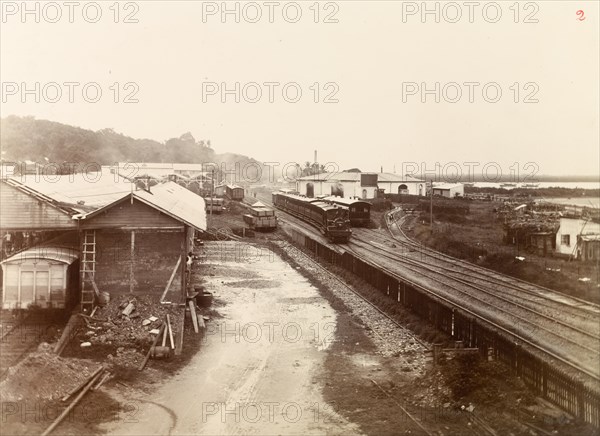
(289, 218)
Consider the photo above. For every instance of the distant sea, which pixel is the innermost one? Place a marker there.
(588, 201)
(561, 184)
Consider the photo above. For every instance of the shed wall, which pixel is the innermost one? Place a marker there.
(154, 256)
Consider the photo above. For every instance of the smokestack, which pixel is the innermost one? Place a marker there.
(316, 156)
(381, 169)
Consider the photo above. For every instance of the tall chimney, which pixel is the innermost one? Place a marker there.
(315, 156)
(381, 169)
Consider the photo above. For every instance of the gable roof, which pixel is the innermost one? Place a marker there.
(169, 198)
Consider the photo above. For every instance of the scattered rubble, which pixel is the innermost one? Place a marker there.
(59, 376)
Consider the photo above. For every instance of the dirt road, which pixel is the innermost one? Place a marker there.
(258, 367)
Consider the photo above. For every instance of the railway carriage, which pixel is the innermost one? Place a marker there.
(42, 276)
(331, 219)
(359, 211)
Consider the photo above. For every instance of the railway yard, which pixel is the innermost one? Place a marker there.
(388, 334)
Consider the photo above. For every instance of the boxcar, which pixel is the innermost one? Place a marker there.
(359, 211)
(331, 219)
(261, 217)
(234, 192)
(214, 205)
(46, 277)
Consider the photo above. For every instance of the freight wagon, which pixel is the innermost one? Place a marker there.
(234, 192)
(261, 217)
(214, 205)
(330, 218)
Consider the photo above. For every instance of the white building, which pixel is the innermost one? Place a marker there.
(449, 190)
(349, 184)
(569, 232)
(159, 169)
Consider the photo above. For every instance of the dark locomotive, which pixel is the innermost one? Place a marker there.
(331, 219)
(359, 211)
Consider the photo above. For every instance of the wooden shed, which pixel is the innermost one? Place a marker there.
(47, 277)
(133, 244)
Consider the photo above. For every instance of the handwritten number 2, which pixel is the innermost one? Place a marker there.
(581, 15)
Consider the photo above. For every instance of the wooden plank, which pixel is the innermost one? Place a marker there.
(143, 364)
(170, 332)
(164, 339)
(201, 322)
(170, 280)
(82, 384)
(66, 336)
(184, 265)
(179, 347)
(72, 405)
(193, 314)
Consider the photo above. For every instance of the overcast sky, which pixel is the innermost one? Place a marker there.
(369, 61)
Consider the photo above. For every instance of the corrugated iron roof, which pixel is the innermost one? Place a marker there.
(342, 200)
(94, 189)
(58, 254)
(178, 202)
(169, 198)
(590, 237)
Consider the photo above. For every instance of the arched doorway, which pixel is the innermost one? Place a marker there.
(310, 190)
(403, 189)
(364, 194)
(337, 190)
(420, 189)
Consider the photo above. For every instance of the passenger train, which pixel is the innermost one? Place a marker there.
(330, 218)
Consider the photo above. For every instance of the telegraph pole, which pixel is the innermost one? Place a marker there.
(431, 206)
(212, 190)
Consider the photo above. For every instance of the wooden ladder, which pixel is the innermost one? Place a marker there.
(88, 270)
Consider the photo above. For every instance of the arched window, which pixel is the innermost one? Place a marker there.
(421, 189)
(403, 189)
(364, 194)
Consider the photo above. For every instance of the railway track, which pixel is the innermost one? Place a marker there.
(470, 297)
(491, 276)
(550, 310)
(20, 337)
(563, 327)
